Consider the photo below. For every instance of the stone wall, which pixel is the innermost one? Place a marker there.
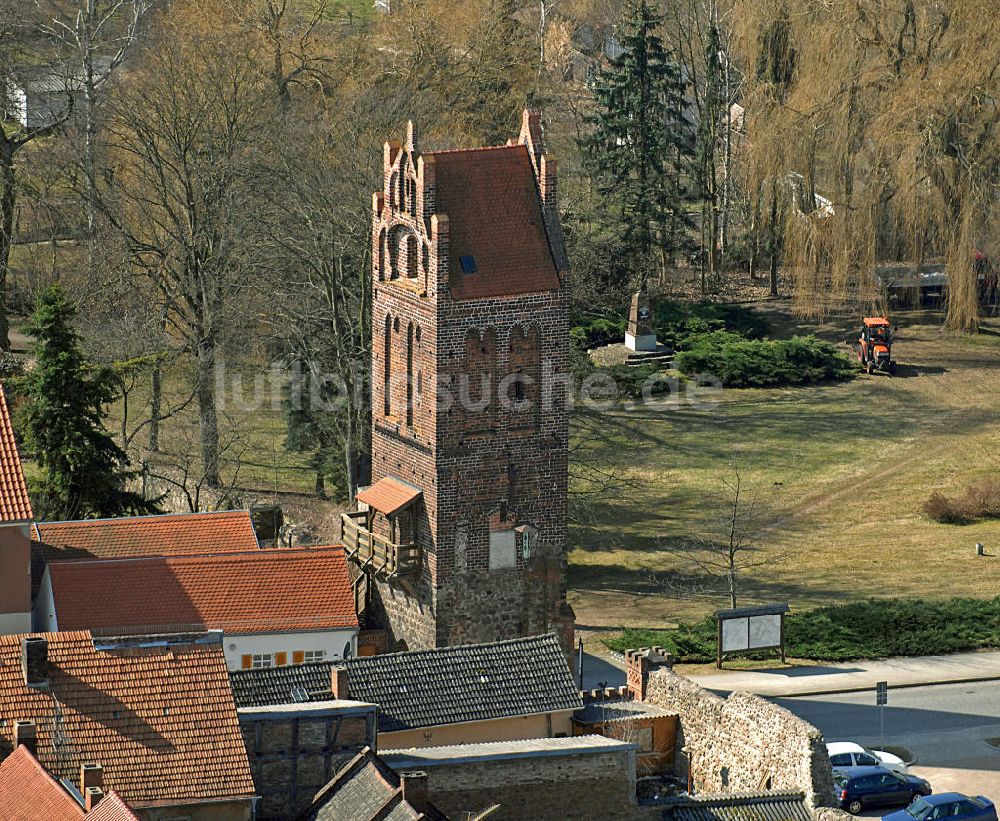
(831, 814)
(577, 783)
(294, 749)
(743, 743)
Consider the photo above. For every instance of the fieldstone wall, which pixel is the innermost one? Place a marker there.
(831, 814)
(294, 751)
(743, 743)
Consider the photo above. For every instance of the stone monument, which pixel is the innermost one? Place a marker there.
(640, 335)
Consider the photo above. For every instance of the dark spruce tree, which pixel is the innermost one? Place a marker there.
(640, 146)
(84, 473)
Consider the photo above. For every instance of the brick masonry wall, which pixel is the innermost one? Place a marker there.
(742, 743)
(538, 788)
(292, 758)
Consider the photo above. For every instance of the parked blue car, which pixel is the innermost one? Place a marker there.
(860, 787)
(951, 805)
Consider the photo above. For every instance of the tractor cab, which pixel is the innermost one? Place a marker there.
(875, 345)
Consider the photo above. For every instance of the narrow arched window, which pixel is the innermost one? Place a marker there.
(381, 254)
(411, 256)
(409, 375)
(387, 369)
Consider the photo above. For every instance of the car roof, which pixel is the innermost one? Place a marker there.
(875, 320)
(944, 798)
(840, 747)
(857, 772)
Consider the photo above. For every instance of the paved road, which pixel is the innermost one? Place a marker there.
(944, 726)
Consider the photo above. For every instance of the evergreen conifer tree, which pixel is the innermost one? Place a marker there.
(641, 145)
(85, 473)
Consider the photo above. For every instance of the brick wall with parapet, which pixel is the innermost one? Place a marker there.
(551, 788)
(743, 743)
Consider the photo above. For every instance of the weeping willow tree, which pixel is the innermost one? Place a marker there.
(873, 136)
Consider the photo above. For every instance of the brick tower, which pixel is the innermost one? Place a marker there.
(462, 534)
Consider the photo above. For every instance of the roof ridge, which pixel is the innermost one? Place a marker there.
(145, 516)
(482, 148)
(538, 637)
(194, 558)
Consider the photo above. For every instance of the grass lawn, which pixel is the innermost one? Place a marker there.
(842, 471)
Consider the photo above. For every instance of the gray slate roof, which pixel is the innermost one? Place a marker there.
(739, 807)
(426, 688)
(365, 788)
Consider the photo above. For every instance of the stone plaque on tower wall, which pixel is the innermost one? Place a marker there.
(640, 335)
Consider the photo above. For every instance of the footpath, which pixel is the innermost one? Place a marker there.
(824, 679)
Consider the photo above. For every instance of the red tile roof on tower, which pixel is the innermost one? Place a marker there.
(261, 592)
(160, 720)
(28, 792)
(15, 506)
(495, 217)
(389, 495)
(173, 534)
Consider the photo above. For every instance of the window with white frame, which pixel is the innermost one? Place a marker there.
(261, 660)
(503, 549)
(310, 656)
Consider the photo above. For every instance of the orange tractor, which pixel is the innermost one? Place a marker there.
(874, 346)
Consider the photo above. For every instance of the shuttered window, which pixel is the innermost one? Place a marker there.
(280, 659)
(298, 656)
(246, 662)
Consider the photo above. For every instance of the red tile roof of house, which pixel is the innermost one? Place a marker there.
(389, 495)
(15, 506)
(29, 792)
(494, 216)
(174, 534)
(160, 720)
(111, 808)
(261, 592)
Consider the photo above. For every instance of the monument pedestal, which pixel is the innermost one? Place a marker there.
(640, 335)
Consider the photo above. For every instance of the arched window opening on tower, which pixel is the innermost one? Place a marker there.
(409, 375)
(411, 256)
(387, 376)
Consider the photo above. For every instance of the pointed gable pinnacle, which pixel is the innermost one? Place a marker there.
(531, 134)
(411, 137)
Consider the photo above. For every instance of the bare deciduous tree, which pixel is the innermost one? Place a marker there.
(713, 568)
(182, 144)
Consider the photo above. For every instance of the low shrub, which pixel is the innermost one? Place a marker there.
(980, 501)
(680, 319)
(876, 628)
(762, 363)
(674, 323)
(597, 332)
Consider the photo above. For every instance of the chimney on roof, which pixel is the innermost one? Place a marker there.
(338, 682)
(35, 661)
(26, 735)
(91, 775)
(92, 798)
(414, 786)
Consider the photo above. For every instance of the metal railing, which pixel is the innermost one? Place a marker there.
(377, 553)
